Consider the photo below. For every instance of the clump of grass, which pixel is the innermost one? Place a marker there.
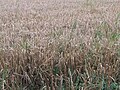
(62, 65)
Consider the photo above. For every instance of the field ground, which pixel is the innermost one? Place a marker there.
(59, 45)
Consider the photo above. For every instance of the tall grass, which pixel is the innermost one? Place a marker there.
(40, 55)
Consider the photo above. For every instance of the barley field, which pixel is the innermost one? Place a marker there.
(59, 44)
